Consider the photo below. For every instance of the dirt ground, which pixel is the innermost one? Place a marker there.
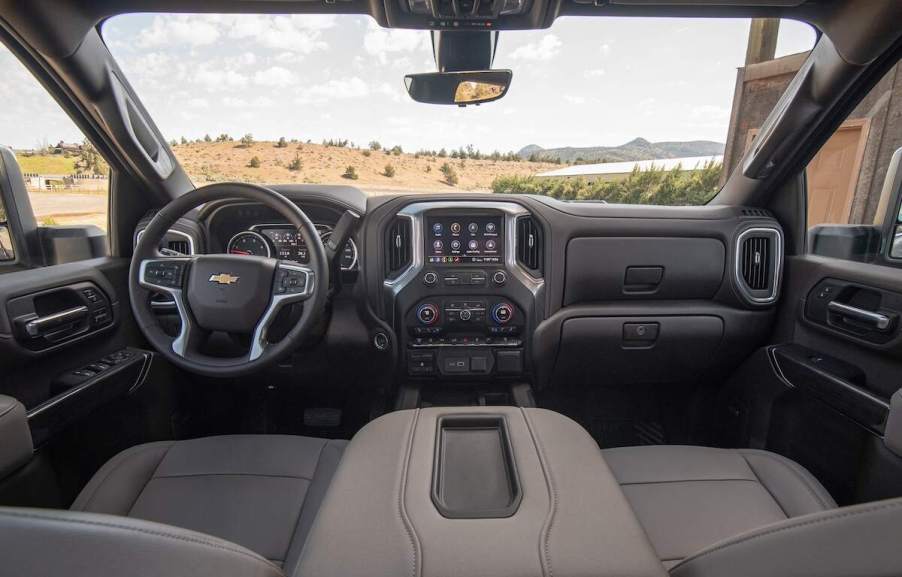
(224, 161)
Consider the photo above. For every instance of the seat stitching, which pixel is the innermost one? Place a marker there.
(792, 525)
(265, 475)
(731, 480)
(785, 463)
(297, 520)
(765, 487)
(151, 478)
(402, 512)
(120, 459)
(545, 538)
(185, 538)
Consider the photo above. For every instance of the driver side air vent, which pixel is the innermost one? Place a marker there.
(398, 248)
(529, 244)
(759, 255)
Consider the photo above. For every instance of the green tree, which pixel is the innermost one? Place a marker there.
(450, 174)
(247, 140)
(282, 143)
(374, 145)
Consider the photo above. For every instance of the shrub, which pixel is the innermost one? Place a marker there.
(254, 163)
(450, 174)
(397, 150)
(367, 153)
(207, 138)
(223, 138)
(350, 173)
(442, 153)
(389, 171)
(184, 140)
(247, 140)
(295, 164)
(374, 145)
(652, 186)
(282, 143)
(428, 168)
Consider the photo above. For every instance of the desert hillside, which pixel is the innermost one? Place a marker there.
(321, 164)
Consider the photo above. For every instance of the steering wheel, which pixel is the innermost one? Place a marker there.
(231, 293)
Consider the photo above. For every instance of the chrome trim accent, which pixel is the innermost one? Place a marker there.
(179, 345)
(252, 233)
(880, 321)
(258, 341)
(416, 213)
(33, 327)
(744, 289)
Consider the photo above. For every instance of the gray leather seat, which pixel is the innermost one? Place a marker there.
(259, 491)
(688, 498)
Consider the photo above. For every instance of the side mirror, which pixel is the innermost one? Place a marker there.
(460, 88)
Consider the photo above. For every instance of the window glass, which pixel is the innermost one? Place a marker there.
(631, 110)
(846, 177)
(66, 179)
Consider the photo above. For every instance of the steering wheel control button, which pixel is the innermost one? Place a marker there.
(427, 314)
(499, 278)
(502, 313)
(164, 274)
(430, 279)
(290, 281)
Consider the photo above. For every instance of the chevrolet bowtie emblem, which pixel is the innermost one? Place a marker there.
(223, 278)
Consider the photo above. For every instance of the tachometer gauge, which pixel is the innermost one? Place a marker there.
(348, 253)
(249, 243)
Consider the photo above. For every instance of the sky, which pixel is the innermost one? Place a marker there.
(583, 82)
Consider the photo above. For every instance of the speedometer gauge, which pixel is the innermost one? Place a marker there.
(348, 253)
(249, 243)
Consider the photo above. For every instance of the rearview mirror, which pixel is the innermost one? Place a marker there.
(460, 88)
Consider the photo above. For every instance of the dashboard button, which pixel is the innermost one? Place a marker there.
(502, 313)
(499, 278)
(430, 278)
(427, 314)
(465, 315)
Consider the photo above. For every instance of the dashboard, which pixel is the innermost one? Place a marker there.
(475, 287)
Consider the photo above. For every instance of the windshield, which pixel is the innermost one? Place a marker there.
(621, 110)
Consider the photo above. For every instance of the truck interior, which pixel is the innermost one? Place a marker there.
(230, 377)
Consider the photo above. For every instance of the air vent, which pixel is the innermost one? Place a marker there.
(398, 247)
(529, 244)
(755, 260)
(756, 212)
(759, 255)
(179, 246)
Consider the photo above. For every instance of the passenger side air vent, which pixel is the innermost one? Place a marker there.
(759, 259)
(756, 212)
(398, 247)
(529, 244)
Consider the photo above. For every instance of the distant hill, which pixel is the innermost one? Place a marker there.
(637, 149)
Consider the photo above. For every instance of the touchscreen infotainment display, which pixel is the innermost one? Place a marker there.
(464, 239)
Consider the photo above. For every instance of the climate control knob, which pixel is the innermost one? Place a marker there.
(502, 313)
(430, 278)
(427, 314)
(499, 278)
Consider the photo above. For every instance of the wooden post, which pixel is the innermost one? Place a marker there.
(762, 40)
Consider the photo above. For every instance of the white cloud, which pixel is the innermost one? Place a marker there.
(545, 49)
(198, 103)
(594, 73)
(214, 78)
(709, 112)
(297, 33)
(193, 30)
(383, 43)
(335, 89)
(570, 98)
(276, 77)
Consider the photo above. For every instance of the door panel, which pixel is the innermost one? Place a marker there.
(838, 367)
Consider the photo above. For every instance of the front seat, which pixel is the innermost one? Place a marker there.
(688, 498)
(259, 491)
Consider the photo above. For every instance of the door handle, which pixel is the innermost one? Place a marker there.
(878, 321)
(42, 325)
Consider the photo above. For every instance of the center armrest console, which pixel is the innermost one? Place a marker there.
(490, 491)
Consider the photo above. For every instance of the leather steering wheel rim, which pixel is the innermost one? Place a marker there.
(315, 276)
